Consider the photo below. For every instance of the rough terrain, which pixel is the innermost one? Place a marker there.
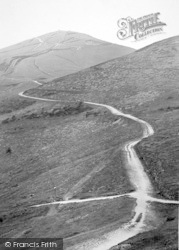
(86, 147)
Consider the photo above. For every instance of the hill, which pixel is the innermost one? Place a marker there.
(144, 83)
(79, 149)
(56, 54)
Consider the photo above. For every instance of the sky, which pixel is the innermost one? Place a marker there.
(25, 19)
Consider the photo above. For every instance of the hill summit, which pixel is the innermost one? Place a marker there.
(56, 54)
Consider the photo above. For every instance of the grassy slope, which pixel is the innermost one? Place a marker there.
(145, 84)
(73, 150)
(66, 150)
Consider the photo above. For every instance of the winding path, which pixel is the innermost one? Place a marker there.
(138, 178)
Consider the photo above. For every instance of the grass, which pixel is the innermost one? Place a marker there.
(76, 153)
(81, 153)
(14, 104)
(160, 152)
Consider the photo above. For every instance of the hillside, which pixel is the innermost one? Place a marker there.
(56, 54)
(144, 83)
(78, 149)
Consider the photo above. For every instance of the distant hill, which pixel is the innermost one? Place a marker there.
(153, 68)
(56, 54)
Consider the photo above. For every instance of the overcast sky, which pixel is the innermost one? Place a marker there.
(24, 19)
